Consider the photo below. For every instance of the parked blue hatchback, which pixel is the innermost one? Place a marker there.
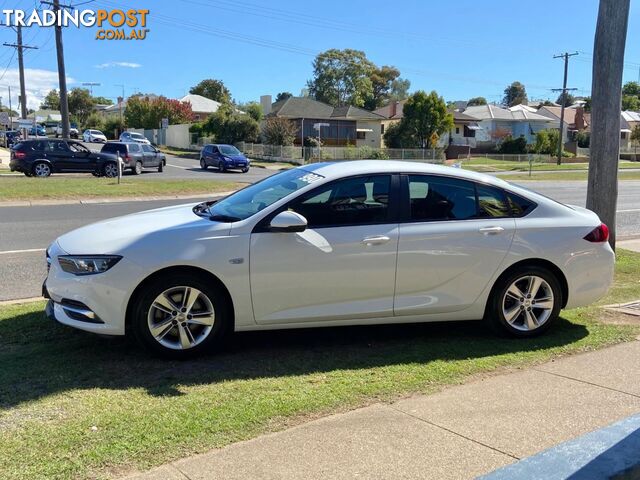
(223, 157)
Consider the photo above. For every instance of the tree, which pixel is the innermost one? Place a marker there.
(253, 109)
(567, 99)
(51, 101)
(606, 92)
(143, 112)
(95, 121)
(396, 135)
(80, 104)
(630, 102)
(399, 89)
(631, 88)
(425, 115)
(213, 89)
(514, 94)
(102, 101)
(113, 127)
(476, 101)
(342, 77)
(228, 126)
(283, 96)
(547, 141)
(635, 137)
(381, 84)
(279, 131)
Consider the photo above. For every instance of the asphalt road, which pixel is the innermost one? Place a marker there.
(25, 232)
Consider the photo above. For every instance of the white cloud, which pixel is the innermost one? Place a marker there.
(118, 64)
(37, 84)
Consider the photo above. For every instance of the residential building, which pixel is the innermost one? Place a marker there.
(497, 122)
(201, 106)
(575, 119)
(336, 126)
(463, 131)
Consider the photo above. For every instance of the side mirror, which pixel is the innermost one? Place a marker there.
(288, 222)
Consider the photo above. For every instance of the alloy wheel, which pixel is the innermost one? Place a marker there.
(181, 318)
(111, 170)
(42, 170)
(528, 303)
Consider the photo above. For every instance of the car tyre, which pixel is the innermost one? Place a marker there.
(245, 170)
(137, 169)
(221, 166)
(161, 166)
(170, 332)
(110, 170)
(203, 164)
(525, 302)
(41, 169)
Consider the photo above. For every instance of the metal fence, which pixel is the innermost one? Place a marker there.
(303, 155)
(488, 158)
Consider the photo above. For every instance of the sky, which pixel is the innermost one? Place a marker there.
(460, 49)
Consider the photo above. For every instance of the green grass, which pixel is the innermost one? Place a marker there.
(64, 188)
(565, 176)
(57, 384)
(177, 152)
(482, 164)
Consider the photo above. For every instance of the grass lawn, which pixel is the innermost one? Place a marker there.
(75, 405)
(176, 152)
(23, 188)
(481, 164)
(622, 175)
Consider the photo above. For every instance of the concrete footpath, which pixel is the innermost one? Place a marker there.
(461, 432)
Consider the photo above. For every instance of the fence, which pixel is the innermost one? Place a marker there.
(488, 158)
(302, 155)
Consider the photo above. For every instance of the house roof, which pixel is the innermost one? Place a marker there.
(201, 104)
(494, 112)
(630, 116)
(50, 115)
(569, 114)
(522, 107)
(304, 107)
(386, 111)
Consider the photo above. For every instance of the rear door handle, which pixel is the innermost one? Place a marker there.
(375, 240)
(491, 230)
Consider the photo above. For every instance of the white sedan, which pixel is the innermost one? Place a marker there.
(91, 136)
(134, 137)
(352, 243)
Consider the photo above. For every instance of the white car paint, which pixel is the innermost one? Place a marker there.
(133, 137)
(389, 273)
(93, 136)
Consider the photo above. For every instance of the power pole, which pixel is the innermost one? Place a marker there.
(564, 89)
(606, 95)
(62, 75)
(19, 46)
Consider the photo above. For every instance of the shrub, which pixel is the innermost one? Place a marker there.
(512, 145)
(279, 131)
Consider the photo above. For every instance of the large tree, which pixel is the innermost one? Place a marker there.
(342, 77)
(51, 101)
(425, 116)
(514, 94)
(213, 89)
(143, 112)
(81, 104)
(102, 101)
(476, 101)
(566, 98)
(399, 89)
(382, 82)
(283, 96)
(630, 102)
(279, 131)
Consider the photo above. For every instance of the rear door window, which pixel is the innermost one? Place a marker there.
(434, 198)
(492, 202)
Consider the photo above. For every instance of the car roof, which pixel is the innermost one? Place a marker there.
(363, 167)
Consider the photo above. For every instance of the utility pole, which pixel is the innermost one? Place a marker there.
(564, 89)
(606, 95)
(19, 46)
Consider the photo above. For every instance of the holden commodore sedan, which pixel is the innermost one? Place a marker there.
(352, 243)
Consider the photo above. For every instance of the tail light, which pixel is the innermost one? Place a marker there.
(20, 154)
(599, 234)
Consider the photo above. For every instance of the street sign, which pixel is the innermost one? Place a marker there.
(317, 126)
(165, 123)
(4, 118)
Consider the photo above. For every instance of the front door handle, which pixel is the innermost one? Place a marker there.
(491, 230)
(375, 240)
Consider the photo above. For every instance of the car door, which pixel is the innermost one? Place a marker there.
(81, 159)
(150, 156)
(341, 267)
(60, 155)
(454, 234)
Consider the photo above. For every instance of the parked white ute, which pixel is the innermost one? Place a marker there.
(351, 243)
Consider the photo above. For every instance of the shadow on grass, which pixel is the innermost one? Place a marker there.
(39, 358)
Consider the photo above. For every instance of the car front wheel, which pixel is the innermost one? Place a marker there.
(110, 170)
(41, 169)
(525, 303)
(203, 164)
(179, 316)
(137, 169)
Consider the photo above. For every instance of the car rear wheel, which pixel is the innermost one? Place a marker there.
(110, 170)
(221, 166)
(137, 169)
(525, 303)
(41, 169)
(245, 170)
(179, 316)
(161, 166)
(203, 164)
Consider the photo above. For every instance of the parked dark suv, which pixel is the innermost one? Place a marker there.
(41, 158)
(136, 156)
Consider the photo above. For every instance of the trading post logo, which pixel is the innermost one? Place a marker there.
(112, 24)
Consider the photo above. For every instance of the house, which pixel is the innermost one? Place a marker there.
(463, 131)
(338, 126)
(628, 122)
(575, 119)
(497, 122)
(201, 106)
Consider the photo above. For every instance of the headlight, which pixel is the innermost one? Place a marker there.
(87, 264)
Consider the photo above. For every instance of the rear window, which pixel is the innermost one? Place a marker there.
(519, 206)
(113, 148)
(134, 147)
